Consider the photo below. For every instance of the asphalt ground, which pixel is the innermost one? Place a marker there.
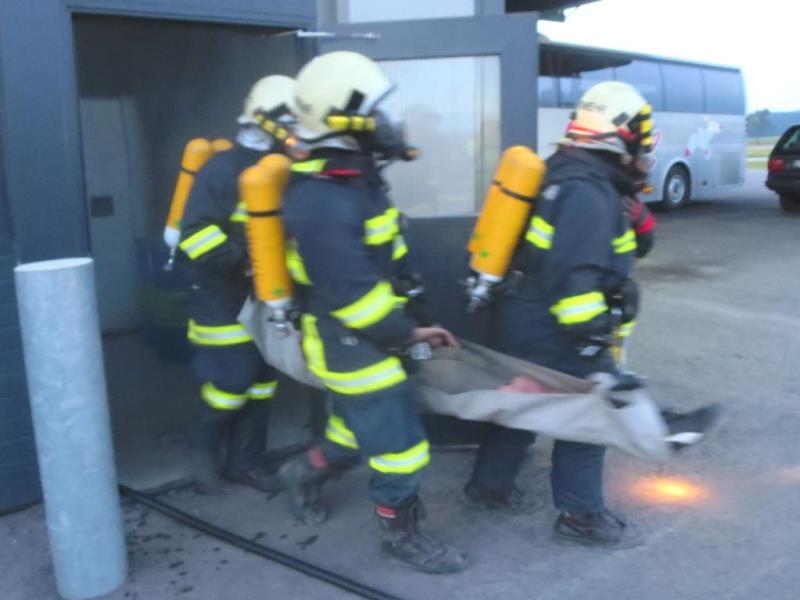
(719, 323)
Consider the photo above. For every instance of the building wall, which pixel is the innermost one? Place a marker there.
(42, 193)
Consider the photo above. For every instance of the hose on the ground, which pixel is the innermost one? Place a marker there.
(306, 568)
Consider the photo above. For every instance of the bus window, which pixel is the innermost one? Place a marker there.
(683, 88)
(575, 70)
(724, 92)
(646, 77)
(572, 88)
(548, 92)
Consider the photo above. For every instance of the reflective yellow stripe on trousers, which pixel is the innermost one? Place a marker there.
(379, 376)
(403, 463)
(580, 308)
(223, 335)
(263, 390)
(221, 400)
(339, 433)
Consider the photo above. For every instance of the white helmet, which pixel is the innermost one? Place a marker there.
(612, 116)
(336, 92)
(268, 105)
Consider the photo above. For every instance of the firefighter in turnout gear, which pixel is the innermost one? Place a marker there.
(574, 261)
(228, 438)
(345, 254)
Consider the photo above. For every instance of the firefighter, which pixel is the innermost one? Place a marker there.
(574, 291)
(345, 250)
(236, 383)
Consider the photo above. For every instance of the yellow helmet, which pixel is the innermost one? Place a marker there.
(336, 92)
(612, 116)
(268, 105)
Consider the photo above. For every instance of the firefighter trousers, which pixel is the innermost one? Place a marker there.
(384, 428)
(237, 386)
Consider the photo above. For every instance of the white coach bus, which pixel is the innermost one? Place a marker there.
(699, 111)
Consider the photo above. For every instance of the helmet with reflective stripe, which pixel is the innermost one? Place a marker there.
(270, 98)
(336, 92)
(612, 116)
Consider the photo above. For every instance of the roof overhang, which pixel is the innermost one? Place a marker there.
(552, 10)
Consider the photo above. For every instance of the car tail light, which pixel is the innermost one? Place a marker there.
(776, 164)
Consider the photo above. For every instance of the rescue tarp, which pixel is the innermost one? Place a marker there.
(464, 383)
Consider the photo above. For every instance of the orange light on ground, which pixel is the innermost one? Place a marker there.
(669, 490)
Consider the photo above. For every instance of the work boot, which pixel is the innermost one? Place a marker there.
(302, 477)
(602, 529)
(513, 501)
(402, 540)
(203, 440)
(689, 429)
(261, 478)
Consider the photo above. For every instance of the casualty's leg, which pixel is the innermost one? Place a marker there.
(497, 465)
(577, 482)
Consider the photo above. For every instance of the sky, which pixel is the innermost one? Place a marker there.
(763, 38)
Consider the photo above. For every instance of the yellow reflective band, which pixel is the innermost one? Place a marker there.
(382, 229)
(295, 265)
(626, 329)
(400, 249)
(262, 391)
(370, 308)
(220, 400)
(337, 432)
(646, 126)
(203, 241)
(240, 214)
(309, 166)
(579, 309)
(624, 243)
(410, 461)
(540, 233)
(380, 376)
(224, 335)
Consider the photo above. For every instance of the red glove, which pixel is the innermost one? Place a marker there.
(643, 222)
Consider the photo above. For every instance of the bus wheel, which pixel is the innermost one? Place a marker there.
(676, 189)
(790, 203)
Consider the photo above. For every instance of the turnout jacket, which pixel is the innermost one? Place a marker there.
(346, 251)
(213, 238)
(579, 247)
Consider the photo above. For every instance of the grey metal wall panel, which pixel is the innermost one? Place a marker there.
(40, 133)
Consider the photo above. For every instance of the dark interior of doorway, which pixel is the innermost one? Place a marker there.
(146, 87)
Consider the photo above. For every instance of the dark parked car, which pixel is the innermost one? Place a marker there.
(784, 169)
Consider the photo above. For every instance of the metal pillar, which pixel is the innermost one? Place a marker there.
(67, 389)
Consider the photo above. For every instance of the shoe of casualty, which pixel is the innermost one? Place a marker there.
(690, 428)
(261, 478)
(601, 529)
(513, 501)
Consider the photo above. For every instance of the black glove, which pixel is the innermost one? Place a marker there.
(643, 223)
(417, 305)
(626, 299)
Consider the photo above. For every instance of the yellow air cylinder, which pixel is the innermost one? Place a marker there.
(195, 155)
(506, 211)
(220, 145)
(261, 188)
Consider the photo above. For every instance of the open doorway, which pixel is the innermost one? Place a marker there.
(146, 87)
